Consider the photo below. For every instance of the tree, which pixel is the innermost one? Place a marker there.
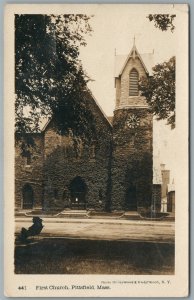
(159, 91)
(49, 77)
(162, 21)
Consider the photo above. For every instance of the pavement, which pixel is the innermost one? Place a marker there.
(111, 229)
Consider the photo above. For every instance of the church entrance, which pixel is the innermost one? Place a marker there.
(78, 191)
(28, 197)
(131, 199)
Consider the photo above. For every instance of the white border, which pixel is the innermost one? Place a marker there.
(179, 281)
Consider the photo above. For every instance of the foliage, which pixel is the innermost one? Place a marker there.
(159, 91)
(49, 78)
(139, 172)
(162, 21)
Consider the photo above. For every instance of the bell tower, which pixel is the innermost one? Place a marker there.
(132, 134)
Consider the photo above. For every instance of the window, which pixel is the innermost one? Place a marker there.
(92, 153)
(133, 83)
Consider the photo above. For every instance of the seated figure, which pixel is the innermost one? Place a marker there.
(33, 230)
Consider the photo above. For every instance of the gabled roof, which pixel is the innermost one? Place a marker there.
(46, 124)
(147, 60)
(89, 93)
(100, 108)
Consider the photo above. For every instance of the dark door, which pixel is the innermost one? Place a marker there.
(28, 197)
(78, 191)
(131, 199)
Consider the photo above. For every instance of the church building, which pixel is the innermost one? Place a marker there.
(113, 172)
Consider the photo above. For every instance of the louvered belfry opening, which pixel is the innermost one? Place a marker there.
(133, 83)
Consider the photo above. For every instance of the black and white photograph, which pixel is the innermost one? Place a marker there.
(98, 116)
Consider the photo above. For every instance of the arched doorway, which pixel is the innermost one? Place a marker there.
(78, 191)
(131, 198)
(28, 197)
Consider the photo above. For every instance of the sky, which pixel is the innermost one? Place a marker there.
(113, 32)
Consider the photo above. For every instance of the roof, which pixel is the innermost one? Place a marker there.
(121, 60)
(99, 107)
(91, 96)
(110, 119)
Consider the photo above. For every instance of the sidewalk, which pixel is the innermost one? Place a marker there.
(98, 220)
(85, 215)
(103, 229)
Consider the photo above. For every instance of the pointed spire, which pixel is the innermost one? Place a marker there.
(134, 41)
(134, 48)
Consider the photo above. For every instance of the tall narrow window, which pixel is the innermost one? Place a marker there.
(133, 83)
(92, 151)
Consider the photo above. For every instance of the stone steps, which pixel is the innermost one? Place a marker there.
(73, 214)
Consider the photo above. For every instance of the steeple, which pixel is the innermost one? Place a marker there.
(132, 134)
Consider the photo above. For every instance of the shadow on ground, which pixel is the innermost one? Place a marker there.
(66, 256)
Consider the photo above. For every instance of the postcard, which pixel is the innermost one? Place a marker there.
(96, 150)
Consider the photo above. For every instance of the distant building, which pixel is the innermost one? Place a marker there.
(165, 180)
(157, 185)
(163, 192)
(171, 198)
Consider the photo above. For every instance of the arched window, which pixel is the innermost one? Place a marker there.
(133, 83)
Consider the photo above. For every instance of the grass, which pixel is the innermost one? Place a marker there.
(64, 256)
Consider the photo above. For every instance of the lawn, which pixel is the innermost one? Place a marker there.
(71, 256)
